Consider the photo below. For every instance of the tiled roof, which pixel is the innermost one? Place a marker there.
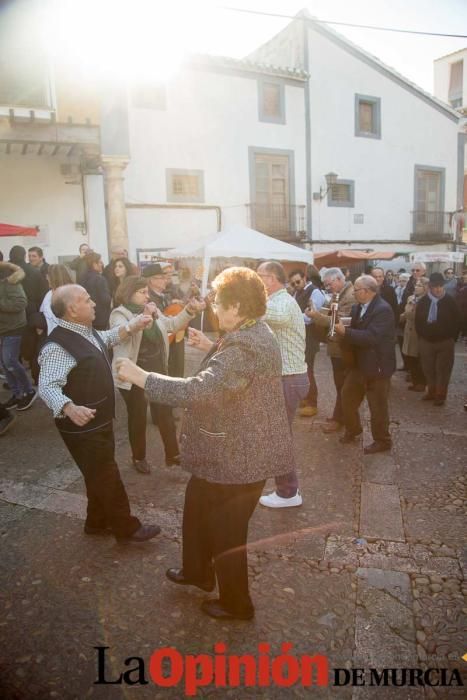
(207, 60)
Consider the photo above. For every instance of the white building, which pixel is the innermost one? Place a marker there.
(228, 141)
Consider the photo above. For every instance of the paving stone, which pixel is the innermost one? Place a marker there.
(380, 514)
(379, 469)
(384, 630)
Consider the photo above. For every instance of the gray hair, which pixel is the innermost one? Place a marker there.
(334, 272)
(368, 282)
(63, 297)
(404, 276)
(276, 269)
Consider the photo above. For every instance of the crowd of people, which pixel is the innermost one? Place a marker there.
(85, 335)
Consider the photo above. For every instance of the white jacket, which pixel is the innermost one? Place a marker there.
(130, 348)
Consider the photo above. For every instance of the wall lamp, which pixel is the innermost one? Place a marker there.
(331, 179)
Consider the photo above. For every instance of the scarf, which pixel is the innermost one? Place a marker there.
(433, 312)
(153, 333)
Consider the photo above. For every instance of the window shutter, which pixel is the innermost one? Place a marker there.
(271, 100)
(455, 81)
(366, 117)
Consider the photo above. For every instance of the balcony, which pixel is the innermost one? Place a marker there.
(431, 227)
(287, 223)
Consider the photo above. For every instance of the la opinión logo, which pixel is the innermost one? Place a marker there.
(168, 668)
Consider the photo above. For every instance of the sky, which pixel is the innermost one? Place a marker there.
(147, 37)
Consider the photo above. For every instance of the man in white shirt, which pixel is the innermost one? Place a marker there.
(285, 319)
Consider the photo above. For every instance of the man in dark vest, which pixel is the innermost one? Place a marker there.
(371, 336)
(76, 383)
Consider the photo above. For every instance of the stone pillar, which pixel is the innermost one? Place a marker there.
(117, 230)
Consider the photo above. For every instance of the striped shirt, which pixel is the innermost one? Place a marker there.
(285, 319)
(56, 364)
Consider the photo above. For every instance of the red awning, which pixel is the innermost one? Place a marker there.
(11, 230)
(331, 258)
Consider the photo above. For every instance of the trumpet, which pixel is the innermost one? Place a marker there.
(334, 316)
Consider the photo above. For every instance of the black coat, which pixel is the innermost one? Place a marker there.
(98, 289)
(389, 295)
(447, 324)
(35, 287)
(372, 339)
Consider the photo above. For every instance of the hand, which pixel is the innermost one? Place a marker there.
(79, 415)
(340, 328)
(311, 313)
(195, 306)
(140, 322)
(39, 331)
(197, 339)
(127, 371)
(150, 309)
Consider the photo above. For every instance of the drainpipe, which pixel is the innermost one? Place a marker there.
(306, 59)
(212, 207)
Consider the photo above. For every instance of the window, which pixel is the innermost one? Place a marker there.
(342, 194)
(456, 78)
(149, 97)
(271, 101)
(185, 185)
(23, 78)
(368, 116)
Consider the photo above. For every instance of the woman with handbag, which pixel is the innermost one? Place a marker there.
(235, 435)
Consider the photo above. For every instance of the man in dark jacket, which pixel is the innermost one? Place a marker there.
(386, 291)
(371, 336)
(35, 287)
(37, 260)
(78, 265)
(437, 322)
(96, 286)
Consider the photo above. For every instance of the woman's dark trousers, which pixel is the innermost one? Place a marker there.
(215, 532)
(137, 409)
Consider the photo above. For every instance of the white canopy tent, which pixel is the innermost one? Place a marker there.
(239, 242)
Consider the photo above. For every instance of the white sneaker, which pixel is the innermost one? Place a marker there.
(272, 500)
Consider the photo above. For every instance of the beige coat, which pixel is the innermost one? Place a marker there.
(130, 349)
(344, 306)
(410, 342)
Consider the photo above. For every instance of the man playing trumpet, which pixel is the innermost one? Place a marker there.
(334, 280)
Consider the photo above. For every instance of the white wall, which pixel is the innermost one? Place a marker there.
(33, 192)
(442, 74)
(412, 133)
(210, 122)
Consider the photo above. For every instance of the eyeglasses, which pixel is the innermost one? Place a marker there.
(359, 289)
(295, 283)
(416, 269)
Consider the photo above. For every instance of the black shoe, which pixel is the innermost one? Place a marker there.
(12, 402)
(6, 423)
(27, 401)
(88, 530)
(214, 608)
(348, 438)
(173, 461)
(142, 534)
(177, 576)
(439, 401)
(377, 447)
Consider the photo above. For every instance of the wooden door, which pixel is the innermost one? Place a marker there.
(272, 194)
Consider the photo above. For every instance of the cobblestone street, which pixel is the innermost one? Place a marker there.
(370, 571)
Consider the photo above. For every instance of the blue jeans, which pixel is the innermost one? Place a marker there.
(18, 380)
(295, 388)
